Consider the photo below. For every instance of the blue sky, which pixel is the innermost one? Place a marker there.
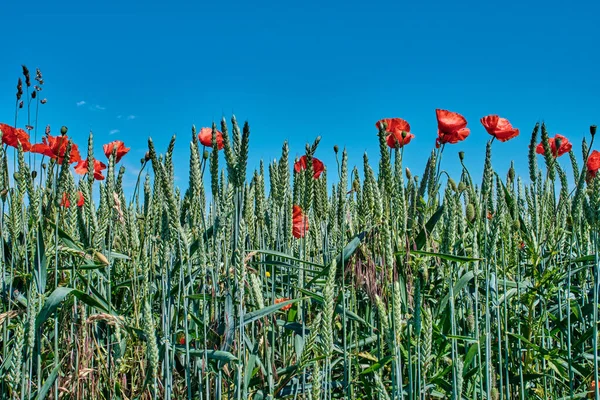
(128, 70)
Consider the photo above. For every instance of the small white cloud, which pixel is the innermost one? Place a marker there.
(80, 103)
(113, 131)
(130, 117)
(99, 107)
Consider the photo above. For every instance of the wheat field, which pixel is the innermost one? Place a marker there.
(296, 280)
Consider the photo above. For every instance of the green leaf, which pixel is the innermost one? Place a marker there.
(338, 308)
(86, 267)
(471, 353)
(118, 256)
(588, 258)
(428, 228)
(97, 295)
(465, 338)
(51, 304)
(443, 256)
(218, 355)
(186, 280)
(348, 251)
(48, 383)
(505, 296)
(460, 284)
(93, 301)
(64, 237)
(284, 255)
(249, 370)
(378, 365)
(307, 270)
(58, 296)
(263, 312)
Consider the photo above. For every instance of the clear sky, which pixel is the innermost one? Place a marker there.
(128, 70)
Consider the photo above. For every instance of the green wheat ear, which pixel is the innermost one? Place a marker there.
(533, 167)
(446, 304)
(548, 153)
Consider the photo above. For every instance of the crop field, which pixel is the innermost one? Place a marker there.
(295, 279)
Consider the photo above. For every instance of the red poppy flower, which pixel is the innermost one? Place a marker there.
(593, 164)
(55, 147)
(490, 215)
(281, 300)
(500, 128)
(121, 149)
(205, 138)
(81, 200)
(395, 127)
(300, 222)
(82, 168)
(65, 201)
(318, 166)
(13, 136)
(564, 146)
(181, 340)
(452, 127)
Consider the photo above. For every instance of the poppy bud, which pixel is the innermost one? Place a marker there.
(557, 143)
(470, 212)
(461, 186)
(593, 130)
(33, 174)
(33, 94)
(336, 149)
(404, 134)
(3, 194)
(44, 101)
(205, 155)
(64, 130)
(44, 166)
(461, 155)
(147, 156)
(408, 174)
(21, 104)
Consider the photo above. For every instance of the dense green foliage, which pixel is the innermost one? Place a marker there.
(403, 286)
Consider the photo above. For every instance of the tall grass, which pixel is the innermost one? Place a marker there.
(387, 285)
